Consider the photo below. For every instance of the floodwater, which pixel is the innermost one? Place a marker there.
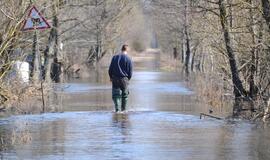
(162, 123)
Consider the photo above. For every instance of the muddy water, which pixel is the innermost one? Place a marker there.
(162, 123)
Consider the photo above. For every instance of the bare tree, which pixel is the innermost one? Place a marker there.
(233, 42)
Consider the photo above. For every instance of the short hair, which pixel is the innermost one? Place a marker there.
(124, 47)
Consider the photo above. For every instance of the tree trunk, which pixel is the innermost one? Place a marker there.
(56, 65)
(203, 62)
(194, 55)
(187, 38)
(198, 66)
(252, 86)
(98, 42)
(48, 56)
(1, 39)
(51, 69)
(260, 49)
(230, 13)
(237, 83)
(193, 60)
(91, 56)
(266, 11)
(187, 55)
(267, 111)
(183, 53)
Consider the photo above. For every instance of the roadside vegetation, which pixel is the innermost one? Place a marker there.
(225, 43)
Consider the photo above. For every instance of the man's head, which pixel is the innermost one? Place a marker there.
(124, 48)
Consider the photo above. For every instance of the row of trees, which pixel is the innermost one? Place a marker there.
(225, 37)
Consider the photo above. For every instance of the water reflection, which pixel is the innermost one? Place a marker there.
(137, 135)
(121, 137)
(121, 122)
(5, 140)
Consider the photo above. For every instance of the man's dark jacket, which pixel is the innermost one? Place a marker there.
(121, 66)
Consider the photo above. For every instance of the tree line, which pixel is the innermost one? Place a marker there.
(229, 39)
(224, 40)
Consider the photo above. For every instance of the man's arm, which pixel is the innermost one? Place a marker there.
(110, 69)
(130, 68)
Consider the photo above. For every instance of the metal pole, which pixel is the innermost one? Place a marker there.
(43, 101)
(37, 65)
(36, 57)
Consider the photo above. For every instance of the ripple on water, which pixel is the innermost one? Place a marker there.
(134, 135)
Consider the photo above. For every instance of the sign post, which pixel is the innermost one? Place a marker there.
(35, 21)
(36, 59)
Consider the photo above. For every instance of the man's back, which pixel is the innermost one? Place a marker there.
(120, 72)
(121, 66)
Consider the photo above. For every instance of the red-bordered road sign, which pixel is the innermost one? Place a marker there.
(35, 21)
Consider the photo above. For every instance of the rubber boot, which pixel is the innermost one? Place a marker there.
(124, 103)
(124, 100)
(117, 103)
(116, 96)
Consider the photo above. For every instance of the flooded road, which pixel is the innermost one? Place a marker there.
(162, 123)
(149, 91)
(136, 136)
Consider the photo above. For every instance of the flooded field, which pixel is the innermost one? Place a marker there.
(162, 123)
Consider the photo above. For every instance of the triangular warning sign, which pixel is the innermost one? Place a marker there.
(35, 21)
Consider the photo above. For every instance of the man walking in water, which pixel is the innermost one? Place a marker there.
(120, 73)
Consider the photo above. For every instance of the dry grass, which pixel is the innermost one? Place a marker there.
(18, 136)
(27, 98)
(168, 63)
(266, 115)
(208, 87)
(209, 90)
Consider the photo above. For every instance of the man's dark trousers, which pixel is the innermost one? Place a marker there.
(120, 93)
